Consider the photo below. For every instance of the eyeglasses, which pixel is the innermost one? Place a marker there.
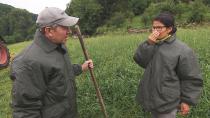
(158, 27)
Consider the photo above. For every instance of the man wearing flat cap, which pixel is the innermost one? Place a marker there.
(42, 74)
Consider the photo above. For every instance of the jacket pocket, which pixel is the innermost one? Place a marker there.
(171, 94)
(57, 85)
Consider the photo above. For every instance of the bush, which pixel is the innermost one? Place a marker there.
(117, 19)
(9, 39)
(138, 6)
(197, 12)
(156, 8)
(102, 30)
(89, 12)
(193, 12)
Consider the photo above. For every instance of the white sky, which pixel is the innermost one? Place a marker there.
(36, 6)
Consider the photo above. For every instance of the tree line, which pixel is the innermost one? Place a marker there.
(98, 16)
(16, 25)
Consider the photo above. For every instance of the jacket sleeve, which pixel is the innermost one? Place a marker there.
(77, 69)
(28, 89)
(188, 71)
(144, 54)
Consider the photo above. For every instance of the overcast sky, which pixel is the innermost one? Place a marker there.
(35, 6)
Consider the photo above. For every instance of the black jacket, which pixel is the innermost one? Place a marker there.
(172, 75)
(44, 81)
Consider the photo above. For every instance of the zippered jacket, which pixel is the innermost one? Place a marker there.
(44, 81)
(172, 75)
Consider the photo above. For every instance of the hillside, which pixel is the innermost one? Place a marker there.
(4, 9)
(16, 25)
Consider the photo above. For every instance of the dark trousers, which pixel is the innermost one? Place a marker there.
(171, 114)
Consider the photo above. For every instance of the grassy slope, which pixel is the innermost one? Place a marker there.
(117, 74)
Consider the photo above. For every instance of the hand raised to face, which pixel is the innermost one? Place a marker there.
(152, 38)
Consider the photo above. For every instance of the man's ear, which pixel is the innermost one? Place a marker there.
(48, 32)
(47, 29)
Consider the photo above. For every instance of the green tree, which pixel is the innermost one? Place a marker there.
(197, 15)
(4, 9)
(89, 12)
(138, 6)
(206, 2)
(109, 7)
(20, 23)
(16, 24)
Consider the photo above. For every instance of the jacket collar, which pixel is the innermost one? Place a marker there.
(45, 43)
(171, 39)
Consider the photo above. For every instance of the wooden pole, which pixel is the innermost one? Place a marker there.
(98, 93)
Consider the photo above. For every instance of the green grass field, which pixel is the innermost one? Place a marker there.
(117, 74)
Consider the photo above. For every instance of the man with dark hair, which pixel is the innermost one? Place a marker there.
(43, 76)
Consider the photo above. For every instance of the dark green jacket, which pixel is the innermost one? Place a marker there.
(44, 81)
(172, 75)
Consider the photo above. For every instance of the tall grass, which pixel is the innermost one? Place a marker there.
(117, 74)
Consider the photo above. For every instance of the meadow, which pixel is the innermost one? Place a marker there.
(117, 74)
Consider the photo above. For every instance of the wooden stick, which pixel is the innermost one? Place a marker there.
(98, 93)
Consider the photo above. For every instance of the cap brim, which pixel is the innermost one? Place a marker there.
(69, 21)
